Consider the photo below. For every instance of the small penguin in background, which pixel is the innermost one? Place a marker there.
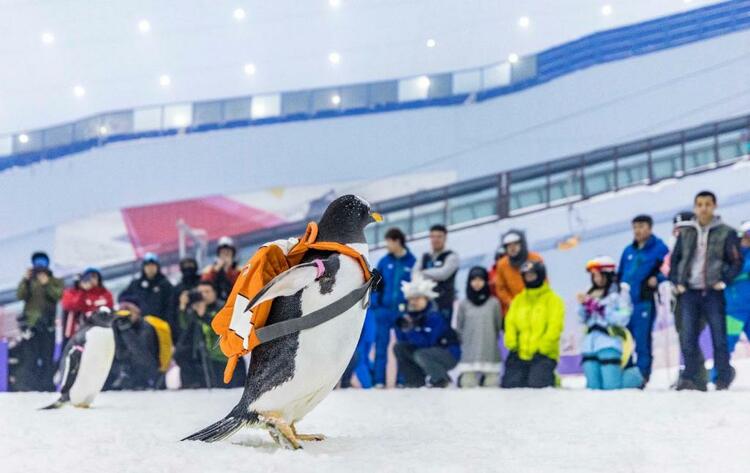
(290, 375)
(87, 359)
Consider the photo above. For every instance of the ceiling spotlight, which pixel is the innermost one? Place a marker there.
(79, 91)
(165, 80)
(23, 138)
(607, 10)
(180, 120)
(144, 26)
(103, 130)
(335, 99)
(512, 58)
(524, 22)
(334, 3)
(334, 58)
(431, 43)
(48, 38)
(423, 82)
(239, 14)
(249, 69)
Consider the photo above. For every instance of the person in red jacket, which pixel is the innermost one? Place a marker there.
(223, 273)
(87, 294)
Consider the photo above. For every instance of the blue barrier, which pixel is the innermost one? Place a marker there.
(3, 366)
(595, 49)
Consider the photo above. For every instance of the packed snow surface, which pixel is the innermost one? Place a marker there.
(452, 430)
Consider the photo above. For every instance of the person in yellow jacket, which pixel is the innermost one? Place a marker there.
(533, 326)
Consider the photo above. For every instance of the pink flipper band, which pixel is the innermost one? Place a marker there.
(321, 268)
(78, 348)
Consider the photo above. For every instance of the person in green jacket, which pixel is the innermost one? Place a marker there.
(40, 291)
(533, 326)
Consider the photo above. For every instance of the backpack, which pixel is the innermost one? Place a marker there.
(164, 337)
(240, 321)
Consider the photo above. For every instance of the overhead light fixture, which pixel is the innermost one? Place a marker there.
(249, 69)
(79, 91)
(103, 130)
(239, 14)
(607, 10)
(423, 82)
(524, 22)
(512, 58)
(334, 58)
(334, 3)
(165, 80)
(431, 43)
(335, 99)
(48, 38)
(23, 138)
(144, 26)
(180, 120)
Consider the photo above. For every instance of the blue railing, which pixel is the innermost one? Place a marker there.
(445, 89)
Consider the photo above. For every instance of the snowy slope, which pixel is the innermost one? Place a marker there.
(397, 430)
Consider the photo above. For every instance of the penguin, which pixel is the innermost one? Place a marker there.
(87, 360)
(290, 375)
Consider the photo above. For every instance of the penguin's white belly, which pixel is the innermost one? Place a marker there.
(323, 352)
(96, 361)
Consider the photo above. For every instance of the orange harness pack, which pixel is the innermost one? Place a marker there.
(267, 263)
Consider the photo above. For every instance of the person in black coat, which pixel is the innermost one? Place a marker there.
(153, 289)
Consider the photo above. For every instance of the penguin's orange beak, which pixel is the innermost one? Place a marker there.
(376, 216)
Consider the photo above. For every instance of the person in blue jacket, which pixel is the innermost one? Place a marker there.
(737, 295)
(427, 346)
(639, 268)
(394, 268)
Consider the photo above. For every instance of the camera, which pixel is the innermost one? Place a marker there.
(194, 296)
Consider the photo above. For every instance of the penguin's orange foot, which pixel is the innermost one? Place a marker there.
(308, 437)
(281, 432)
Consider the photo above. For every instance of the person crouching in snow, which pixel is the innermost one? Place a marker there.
(479, 322)
(533, 326)
(427, 346)
(605, 310)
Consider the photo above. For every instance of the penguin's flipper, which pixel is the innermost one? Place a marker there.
(72, 364)
(55, 405)
(291, 281)
(221, 429)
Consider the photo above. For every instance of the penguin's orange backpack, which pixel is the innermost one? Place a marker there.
(241, 323)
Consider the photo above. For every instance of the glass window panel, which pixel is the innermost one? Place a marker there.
(237, 109)
(399, 219)
(565, 185)
(472, 206)
(371, 234)
(415, 88)
(632, 170)
(6, 145)
(440, 86)
(599, 178)
(426, 216)
(354, 96)
(86, 129)
(383, 93)
(265, 106)
(530, 193)
(733, 145)
(58, 136)
(116, 123)
(467, 81)
(525, 68)
(147, 119)
(294, 103)
(208, 112)
(699, 154)
(326, 99)
(178, 116)
(27, 141)
(666, 162)
(496, 76)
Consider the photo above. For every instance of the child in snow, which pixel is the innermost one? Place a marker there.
(427, 346)
(479, 322)
(605, 310)
(737, 295)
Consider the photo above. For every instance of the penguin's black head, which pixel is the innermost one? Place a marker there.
(102, 317)
(345, 219)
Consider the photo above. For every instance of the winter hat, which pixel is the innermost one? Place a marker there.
(683, 219)
(477, 297)
(603, 264)
(745, 229)
(91, 271)
(225, 242)
(419, 286)
(132, 298)
(151, 258)
(512, 236)
(516, 236)
(536, 267)
(40, 259)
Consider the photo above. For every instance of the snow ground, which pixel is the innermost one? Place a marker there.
(449, 430)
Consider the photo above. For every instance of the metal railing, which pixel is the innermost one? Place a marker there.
(530, 189)
(450, 88)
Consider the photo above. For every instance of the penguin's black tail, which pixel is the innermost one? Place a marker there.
(223, 428)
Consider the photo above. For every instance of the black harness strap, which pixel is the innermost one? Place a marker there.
(313, 319)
